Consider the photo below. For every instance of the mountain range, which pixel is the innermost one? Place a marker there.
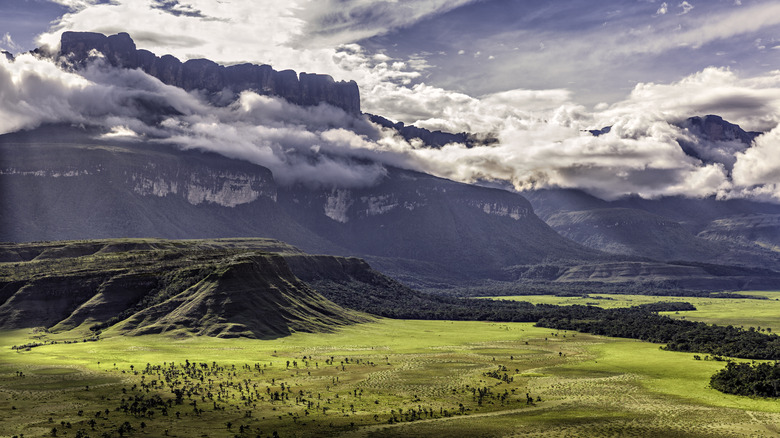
(65, 182)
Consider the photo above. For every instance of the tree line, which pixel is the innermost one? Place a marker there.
(640, 322)
(751, 379)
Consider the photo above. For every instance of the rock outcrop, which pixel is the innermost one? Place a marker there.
(435, 139)
(714, 128)
(202, 74)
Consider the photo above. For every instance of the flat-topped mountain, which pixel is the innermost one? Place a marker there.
(202, 74)
(64, 183)
(223, 288)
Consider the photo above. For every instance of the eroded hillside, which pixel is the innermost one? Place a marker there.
(223, 288)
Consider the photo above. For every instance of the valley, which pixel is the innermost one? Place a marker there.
(199, 249)
(382, 378)
(749, 312)
(254, 337)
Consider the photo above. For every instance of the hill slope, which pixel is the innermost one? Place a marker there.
(223, 288)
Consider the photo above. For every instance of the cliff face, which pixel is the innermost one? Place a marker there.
(201, 74)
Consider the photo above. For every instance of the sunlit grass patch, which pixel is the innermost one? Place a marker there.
(386, 378)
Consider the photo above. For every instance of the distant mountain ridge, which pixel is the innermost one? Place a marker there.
(712, 139)
(202, 74)
(435, 139)
(714, 128)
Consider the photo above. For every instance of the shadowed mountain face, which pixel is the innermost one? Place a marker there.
(639, 233)
(435, 139)
(61, 183)
(759, 229)
(731, 232)
(469, 231)
(225, 288)
(202, 74)
(58, 183)
(715, 140)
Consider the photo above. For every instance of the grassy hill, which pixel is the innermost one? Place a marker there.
(223, 288)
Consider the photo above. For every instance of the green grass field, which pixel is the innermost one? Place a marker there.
(386, 378)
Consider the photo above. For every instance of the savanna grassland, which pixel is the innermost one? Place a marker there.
(383, 378)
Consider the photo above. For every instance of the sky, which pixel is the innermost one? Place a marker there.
(533, 74)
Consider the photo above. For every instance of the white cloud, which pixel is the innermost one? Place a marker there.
(757, 170)
(541, 134)
(753, 103)
(542, 138)
(334, 22)
(75, 4)
(733, 23)
(542, 142)
(7, 43)
(663, 9)
(686, 7)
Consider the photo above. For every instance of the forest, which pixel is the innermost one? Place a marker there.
(751, 379)
(679, 335)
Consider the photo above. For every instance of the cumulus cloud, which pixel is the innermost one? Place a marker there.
(543, 138)
(753, 103)
(542, 134)
(290, 140)
(663, 9)
(757, 170)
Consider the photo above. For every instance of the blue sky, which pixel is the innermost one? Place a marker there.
(534, 74)
(22, 20)
(600, 50)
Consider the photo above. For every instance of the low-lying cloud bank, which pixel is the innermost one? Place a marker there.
(543, 138)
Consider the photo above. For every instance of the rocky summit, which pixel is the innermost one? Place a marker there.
(202, 74)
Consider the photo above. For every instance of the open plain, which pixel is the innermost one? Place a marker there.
(382, 378)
